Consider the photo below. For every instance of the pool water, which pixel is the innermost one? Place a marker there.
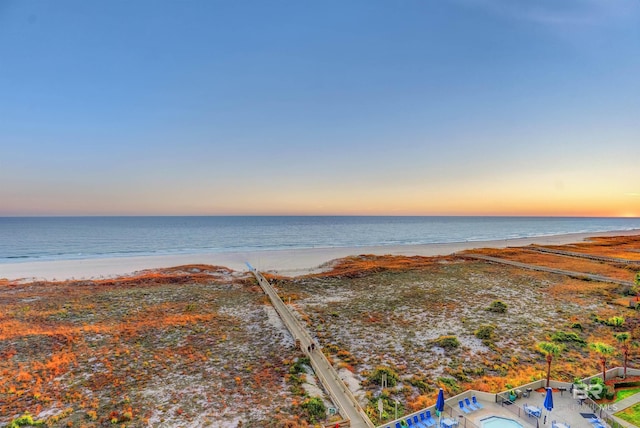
(498, 422)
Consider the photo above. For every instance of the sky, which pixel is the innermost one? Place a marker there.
(333, 107)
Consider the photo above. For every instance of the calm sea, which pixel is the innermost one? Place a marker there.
(59, 238)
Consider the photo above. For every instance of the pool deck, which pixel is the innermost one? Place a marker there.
(566, 410)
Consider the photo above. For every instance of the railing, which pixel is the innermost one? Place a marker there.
(611, 421)
(463, 421)
(340, 424)
(601, 413)
(585, 256)
(516, 410)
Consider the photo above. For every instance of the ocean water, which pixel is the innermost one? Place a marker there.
(65, 238)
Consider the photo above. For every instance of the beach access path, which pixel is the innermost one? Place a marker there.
(339, 392)
(572, 274)
(584, 256)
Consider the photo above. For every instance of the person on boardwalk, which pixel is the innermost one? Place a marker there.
(313, 346)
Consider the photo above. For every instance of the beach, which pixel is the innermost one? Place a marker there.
(284, 262)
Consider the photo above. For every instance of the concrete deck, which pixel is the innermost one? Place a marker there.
(566, 410)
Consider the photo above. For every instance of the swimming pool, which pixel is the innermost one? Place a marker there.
(498, 422)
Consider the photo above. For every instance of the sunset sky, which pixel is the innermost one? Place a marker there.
(415, 107)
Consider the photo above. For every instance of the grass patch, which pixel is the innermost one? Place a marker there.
(631, 414)
(624, 393)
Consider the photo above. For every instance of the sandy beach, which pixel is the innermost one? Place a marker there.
(284, 262)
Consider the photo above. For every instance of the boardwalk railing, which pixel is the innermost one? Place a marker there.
(584, 256)
(300, 334)
(571, 274)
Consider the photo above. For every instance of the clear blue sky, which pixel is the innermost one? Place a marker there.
(512, 107)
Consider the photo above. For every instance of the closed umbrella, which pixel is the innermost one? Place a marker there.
(440, 403)
(548, 403)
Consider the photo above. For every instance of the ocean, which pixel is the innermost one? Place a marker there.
(67, 238)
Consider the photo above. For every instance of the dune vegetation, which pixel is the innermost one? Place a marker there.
(202, 346)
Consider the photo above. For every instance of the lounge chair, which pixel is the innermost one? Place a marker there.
(597, 423)
(469, 405)
(464, 409)
(429, 420)
(476, 403)
(423, 420)
(398, 425)
(417, 423)
(409, 422)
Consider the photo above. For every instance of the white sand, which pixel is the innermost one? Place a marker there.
(285, 262)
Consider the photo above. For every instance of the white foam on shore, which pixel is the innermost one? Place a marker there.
(284, 262)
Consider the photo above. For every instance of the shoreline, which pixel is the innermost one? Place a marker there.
(287, 262)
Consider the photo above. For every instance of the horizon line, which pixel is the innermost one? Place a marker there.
(315, 215)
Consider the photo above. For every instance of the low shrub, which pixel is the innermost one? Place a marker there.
(485, 332)
(614, 321)
(446, 342)
(570, 337)
(299, 365)
(25, 420)
(315, 408)
(497, 307)
(450, 384)
(376, 376)
(419, 383)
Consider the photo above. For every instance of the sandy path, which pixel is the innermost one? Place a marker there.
(286, 262)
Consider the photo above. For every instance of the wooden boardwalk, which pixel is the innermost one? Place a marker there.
(584, 256)
(339, 392)
(572, 274)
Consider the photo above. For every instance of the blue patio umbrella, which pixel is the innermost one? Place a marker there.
(548, 402)
(440, 403)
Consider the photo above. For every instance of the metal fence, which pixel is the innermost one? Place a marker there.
(602, 414)
(516, 410)
(455, 414)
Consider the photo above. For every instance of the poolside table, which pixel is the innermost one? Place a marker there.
(448, 423)
(533, 411)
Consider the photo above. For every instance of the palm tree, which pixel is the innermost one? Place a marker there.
(623, 339)
(603, 349)
(550, 350)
